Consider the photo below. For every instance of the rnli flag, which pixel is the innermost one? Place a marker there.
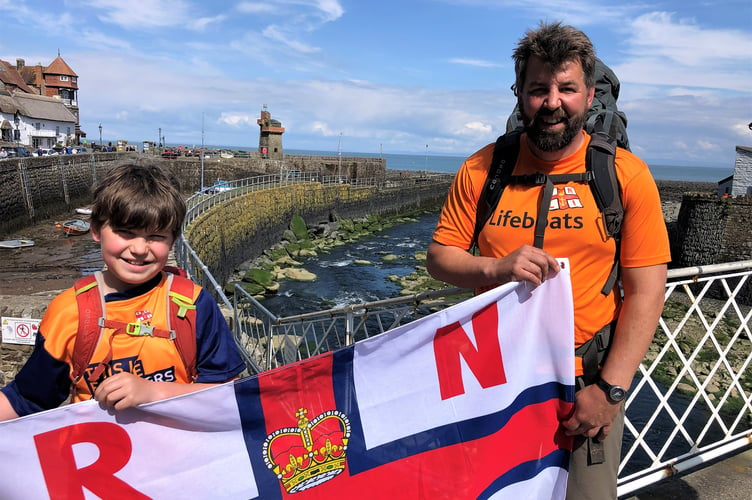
(464, 403)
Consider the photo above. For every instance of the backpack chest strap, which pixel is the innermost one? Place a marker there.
(547, 193)
(538, 179)
(137, 329)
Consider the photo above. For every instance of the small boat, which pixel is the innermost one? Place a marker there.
(16, 243)
(83, 211)
(75, 227)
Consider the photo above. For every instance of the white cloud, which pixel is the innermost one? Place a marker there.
(276, 34)
(575, 12)
(236, 119)
(146, 15)
(664, 51)
(256, 8)
(658, 34)
(475, 127)
(474, 62)
(202, 23)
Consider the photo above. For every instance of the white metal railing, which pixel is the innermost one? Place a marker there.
(691, 401)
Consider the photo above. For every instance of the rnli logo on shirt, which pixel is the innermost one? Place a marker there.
(144, 315)
(564, 198)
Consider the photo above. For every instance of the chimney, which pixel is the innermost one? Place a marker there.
(20, 63)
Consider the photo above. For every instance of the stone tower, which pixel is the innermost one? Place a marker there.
(270, 136)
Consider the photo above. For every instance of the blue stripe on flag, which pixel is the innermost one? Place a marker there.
(359, 459)
(252, 420)
(526, 471)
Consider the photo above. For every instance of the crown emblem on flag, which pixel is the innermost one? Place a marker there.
(311, 453)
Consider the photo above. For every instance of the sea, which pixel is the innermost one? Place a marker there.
(450, 164)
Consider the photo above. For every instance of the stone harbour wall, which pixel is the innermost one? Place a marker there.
(713, 230)
(34, 189)
(246, 226)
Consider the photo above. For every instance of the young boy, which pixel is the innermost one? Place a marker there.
(137, 215)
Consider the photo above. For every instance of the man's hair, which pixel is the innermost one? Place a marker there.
(555, 44)
(139, 195)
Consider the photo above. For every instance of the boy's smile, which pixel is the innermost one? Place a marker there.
(132, 256)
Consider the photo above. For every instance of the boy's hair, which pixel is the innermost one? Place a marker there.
(555, 44)
(139, 195)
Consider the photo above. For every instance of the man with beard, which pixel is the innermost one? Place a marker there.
(554, 67)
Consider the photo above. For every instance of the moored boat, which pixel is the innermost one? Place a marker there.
(75, 227)
(16, 243)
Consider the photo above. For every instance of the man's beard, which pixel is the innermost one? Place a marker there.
(547, 140)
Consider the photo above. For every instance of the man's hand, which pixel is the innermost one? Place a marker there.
(527, 263)
(593, 413)
(460, 268)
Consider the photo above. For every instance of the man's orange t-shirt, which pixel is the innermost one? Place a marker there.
(575, 228)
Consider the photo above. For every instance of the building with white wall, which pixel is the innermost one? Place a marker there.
(739, 184)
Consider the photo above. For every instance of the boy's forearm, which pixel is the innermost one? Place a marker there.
(6, 410)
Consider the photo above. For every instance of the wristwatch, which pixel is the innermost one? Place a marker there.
(614, 393)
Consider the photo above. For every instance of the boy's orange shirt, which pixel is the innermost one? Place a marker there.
(575, 229)
(155, 359)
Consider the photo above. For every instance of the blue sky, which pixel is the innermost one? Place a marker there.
(389, 75)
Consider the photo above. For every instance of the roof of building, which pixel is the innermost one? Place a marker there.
(10, 76)
(59, 67)
(33, 75)
(42, 107)
(8, 105)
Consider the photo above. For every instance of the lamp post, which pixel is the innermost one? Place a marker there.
(17, 122)
(100, 136)
(339, 154)
(202, 152)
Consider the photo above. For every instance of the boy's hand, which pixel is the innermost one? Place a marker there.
(125, 390)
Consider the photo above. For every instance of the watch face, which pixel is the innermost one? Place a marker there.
(616, 393)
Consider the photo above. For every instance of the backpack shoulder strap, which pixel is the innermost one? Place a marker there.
(90, 304)
(505, 154)
(182, 319)
(607, 193)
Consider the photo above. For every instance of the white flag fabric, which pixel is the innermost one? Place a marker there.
(464, 403)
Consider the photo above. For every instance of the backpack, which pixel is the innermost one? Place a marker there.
(607, 128)
(92, 321)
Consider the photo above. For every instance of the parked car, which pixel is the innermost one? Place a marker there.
(18, 152)
(80, 150)
(218, 187)
(44, 152)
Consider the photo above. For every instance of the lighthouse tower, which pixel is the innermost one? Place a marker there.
(270, 136)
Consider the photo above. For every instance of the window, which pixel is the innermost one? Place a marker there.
(74, 79)
(63, 78)
(38, 126)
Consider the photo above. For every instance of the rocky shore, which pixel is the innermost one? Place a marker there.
(262, 275)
